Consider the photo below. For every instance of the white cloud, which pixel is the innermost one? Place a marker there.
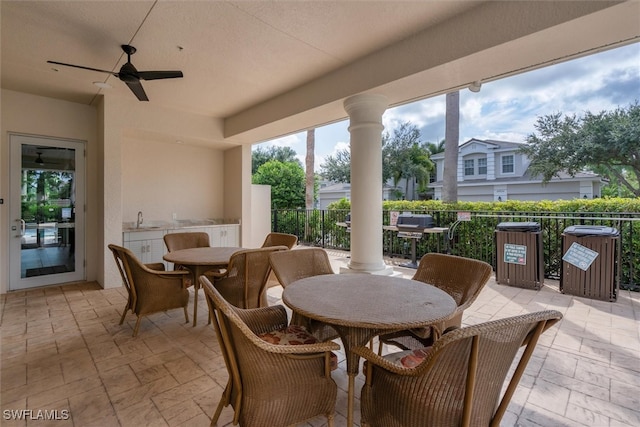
(285, 141)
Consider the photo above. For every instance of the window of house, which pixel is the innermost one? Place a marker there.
(433, 176)
(469, 167)
(482, 166)
(507, 164)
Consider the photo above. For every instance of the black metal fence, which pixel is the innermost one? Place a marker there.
(473, 238)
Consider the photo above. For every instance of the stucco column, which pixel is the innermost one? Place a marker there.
(365, 114)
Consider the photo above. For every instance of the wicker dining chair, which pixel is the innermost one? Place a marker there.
(280, 239)
(457, 381)
(270, 384)
(186, 240)
(289, 266)
(150, 289)
(462, 278)
(244, 281)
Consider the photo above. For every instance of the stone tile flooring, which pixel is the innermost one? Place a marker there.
(63, 352)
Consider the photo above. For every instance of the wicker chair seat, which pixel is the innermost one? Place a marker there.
(408, 358)
(295, 335)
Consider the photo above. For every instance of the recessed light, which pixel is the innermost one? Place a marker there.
(178, 142)
(102, 85)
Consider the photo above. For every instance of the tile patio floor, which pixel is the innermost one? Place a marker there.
(62, 349)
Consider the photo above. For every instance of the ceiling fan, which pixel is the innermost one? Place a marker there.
(130, 75)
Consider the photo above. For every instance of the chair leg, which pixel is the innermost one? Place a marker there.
(135, 329)
(124, 313)
(186, 314)
(214, 419)
(330, 420)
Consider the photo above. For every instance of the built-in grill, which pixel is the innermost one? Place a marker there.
(412, 226)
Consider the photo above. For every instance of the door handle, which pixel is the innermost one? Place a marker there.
(23, 227)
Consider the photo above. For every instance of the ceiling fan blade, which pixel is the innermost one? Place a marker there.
(83, 68)
(155, 75)
(137, 90)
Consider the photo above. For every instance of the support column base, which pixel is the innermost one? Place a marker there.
(386, 271)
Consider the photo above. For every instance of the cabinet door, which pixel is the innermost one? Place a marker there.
(155, 249)
(215, 236)
(149, 249)
(138, 247)
(232, 233)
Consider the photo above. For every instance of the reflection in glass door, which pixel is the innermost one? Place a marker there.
(45, 214)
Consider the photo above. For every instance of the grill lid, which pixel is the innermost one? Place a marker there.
(412, 222)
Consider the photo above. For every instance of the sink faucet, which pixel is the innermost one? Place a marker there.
(139, 219)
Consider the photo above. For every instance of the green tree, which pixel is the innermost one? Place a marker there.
(607, 143)
(337, 168)
(262, 155)
(434, 148)
(287, 181)
(405, 157)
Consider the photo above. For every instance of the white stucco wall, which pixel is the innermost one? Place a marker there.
(173, 178)
(125, 173)
(36, 115)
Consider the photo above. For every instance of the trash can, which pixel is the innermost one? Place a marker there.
(589, 262)
(519, 256)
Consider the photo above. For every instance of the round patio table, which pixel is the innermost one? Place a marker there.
(199, 261)
(362, 306)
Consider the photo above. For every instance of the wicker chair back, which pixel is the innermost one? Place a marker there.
(459, 381)
(280, 239)
(289, 266)
(462, 278)
(243, 283)
(178, 241)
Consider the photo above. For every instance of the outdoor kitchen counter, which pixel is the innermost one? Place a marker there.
(176, 225)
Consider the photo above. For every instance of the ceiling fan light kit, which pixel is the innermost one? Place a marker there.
(129, 74)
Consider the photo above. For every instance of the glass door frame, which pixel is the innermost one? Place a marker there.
(16, 281)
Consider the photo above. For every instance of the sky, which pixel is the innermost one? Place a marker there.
(505, 109)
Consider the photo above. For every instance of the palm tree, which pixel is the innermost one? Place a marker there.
(309, 173)
(451, 136)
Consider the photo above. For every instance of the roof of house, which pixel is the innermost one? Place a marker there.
(493, 144)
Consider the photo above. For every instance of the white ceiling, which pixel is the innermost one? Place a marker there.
(268, 68)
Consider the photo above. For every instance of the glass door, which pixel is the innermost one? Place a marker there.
(47, 211)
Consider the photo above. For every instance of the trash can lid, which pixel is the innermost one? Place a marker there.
(591, 230)
(518, 226)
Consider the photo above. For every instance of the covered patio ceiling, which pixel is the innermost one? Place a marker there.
(270, 68)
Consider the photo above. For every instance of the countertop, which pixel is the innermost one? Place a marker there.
(177, 224)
